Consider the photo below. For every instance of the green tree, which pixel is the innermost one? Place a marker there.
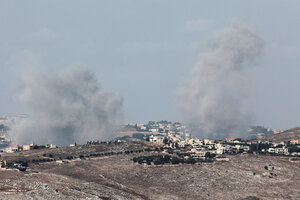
(165, 140)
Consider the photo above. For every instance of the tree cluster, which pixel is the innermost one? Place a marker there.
(162, 159)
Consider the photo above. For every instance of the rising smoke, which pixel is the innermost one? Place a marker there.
(66, 109)
(212, 99)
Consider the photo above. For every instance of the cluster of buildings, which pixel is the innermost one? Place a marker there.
(16, 148)
(200, 149)
(161, 127)
(177, 136)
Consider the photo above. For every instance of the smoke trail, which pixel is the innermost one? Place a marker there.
(212, 99)
(66, 109)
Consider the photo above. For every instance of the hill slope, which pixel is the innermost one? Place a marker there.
(244, 176)
(287, 135)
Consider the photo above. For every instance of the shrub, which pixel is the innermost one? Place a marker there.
(140, 161)
(69, 157)
(175, 160)
(23, 163)
(190, 161)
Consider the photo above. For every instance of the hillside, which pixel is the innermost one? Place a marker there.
(287, 135)
(116, 176)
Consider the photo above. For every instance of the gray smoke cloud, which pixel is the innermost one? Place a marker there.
(68, 108)
(212, 99)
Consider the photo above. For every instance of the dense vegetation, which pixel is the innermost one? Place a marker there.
(162, 159)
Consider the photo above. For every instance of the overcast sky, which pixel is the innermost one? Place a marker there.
(143, 50)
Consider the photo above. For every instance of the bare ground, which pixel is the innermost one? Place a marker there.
(116, 177)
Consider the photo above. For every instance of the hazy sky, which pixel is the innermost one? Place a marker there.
(143, 50)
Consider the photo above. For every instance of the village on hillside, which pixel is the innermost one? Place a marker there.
(175, 138)
(154, 151)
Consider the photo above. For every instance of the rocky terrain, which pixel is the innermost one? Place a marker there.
(116, 176)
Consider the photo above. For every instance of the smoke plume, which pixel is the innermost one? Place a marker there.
(66, 109)
(212, 99)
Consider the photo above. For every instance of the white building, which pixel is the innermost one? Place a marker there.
(197, 154)
(210, 142)
(187, 136)
(156, 138)
(51, 146)
(153, 130)
(181, 144)
(220, 150)
(282, 151)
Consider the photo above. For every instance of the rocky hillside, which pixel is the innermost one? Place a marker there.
(287, 135)
(116, 176)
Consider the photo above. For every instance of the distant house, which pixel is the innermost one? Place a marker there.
(171, 145)
(188, 136)
(245, 147)
(236, 141)
(181, 144)
(153, 130)
(271, 150)
(219, 145)
(93, 142)
(209, 142)
(282, 151)
(220, 150)
(144, 128)
(277, 144)
(195, 141)
(252, 142)
(14, 149)
(295, 141)
(156, 138)
(230, 139)
(27, 147)
(51, 146)
(197, 154)
(175, 139)
(295, 154)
